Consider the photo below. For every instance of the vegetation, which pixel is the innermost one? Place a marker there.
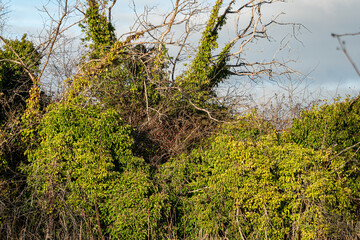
(131, 150)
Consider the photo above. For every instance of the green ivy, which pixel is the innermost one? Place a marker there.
(99, 32)
(245, 188)
(207, 71)
(84, 161)
(15, 82)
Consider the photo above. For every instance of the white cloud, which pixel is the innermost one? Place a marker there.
(317, 55)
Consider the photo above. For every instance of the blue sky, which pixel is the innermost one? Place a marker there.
(316, 56)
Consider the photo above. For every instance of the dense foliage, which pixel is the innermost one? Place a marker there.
(236, 187)
(15, 82)
(127, 152)
(84, 165)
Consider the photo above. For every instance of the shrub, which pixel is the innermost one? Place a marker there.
(266, 188)
(84, 167)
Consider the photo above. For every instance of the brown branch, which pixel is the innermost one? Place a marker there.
(109, 10)
(20, 62)
(344, 150)
(345, 34)
(341, 43)
(197, 107)
(238, 223)
(170, 24)
(56, 34)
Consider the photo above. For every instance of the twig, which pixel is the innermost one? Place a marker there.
(237, 222)
(20, 62)
(56, 34)
(344, 150)
(341, 43)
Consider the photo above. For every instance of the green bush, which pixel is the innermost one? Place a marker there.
(84, 163)
(334, 128)
(238, 188)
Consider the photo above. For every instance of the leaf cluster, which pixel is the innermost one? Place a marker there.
(128, 152)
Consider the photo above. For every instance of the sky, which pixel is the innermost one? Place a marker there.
(328, 67)
(316, 53)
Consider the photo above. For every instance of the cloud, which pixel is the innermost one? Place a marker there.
(323, 17)
(316, 55)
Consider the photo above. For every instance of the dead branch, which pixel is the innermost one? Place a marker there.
(54, 37)
(343, 48)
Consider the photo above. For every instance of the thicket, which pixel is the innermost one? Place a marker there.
(131, 152)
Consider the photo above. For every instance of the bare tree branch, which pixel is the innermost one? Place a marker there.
(342, 46)
(54, 37)
(20, 61)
